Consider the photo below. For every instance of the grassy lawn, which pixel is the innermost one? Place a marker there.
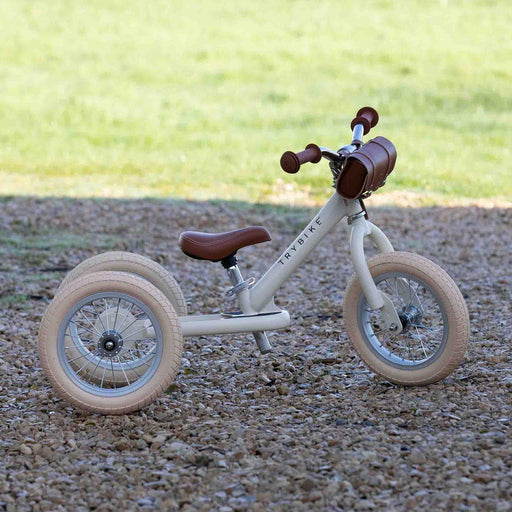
(199, 99)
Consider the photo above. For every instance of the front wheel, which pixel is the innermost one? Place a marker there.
(434, 317)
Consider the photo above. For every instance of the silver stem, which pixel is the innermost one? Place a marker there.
(357, 134)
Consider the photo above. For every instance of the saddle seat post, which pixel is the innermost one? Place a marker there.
(241, 290)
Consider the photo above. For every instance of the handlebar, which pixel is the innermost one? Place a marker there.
(291, 162)
(366, 118)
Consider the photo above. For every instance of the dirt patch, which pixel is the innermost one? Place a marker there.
(307, 427)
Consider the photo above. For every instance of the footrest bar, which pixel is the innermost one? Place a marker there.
(197, 325)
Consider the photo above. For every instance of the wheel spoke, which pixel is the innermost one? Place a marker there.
(135, 320)
(103, 376)
(427, 328)
(86, 363)
(395, 290)
(99, 317)
(126, 313)
(113, 376)
(117, 312)
(92, 342)
(398, 293)
(411, 293)
(140, 340)
(122, 368)
(81, 355)
(137, 351)
(408, 346)
(82, 327)
(138, 330)
(146, 362)
(421, 342)
(105, 305)
(434, 331)
(89, 322)
(133, 369)
(421, 303)
(96, 367)
(80, 337)
(76, 348)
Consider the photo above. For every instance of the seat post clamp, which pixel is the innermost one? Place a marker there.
(240, 286)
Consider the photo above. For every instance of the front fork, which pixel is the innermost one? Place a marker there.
(375, 298)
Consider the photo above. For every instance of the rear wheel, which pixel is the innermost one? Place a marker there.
(432, 311)
(121, 261)
(110, 342)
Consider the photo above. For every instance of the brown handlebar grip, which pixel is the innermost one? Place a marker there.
(291, 162)
(367, 116)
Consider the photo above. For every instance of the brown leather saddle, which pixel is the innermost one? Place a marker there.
(219, 246)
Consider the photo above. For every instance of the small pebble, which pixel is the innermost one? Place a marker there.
(308, 484)
(417, 457)
(25, 450)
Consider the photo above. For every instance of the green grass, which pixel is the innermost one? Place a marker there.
(199, 99)
(15, 301)
(27, 248)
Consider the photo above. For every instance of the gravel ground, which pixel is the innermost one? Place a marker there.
(307, 427)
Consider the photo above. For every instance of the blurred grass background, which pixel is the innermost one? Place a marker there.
(199, 99)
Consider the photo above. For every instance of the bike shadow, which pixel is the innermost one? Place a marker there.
(54, 234)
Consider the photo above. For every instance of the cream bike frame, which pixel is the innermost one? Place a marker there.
(258, 312)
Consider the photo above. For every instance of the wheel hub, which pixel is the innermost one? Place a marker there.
(110, 344)
(410, 315)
